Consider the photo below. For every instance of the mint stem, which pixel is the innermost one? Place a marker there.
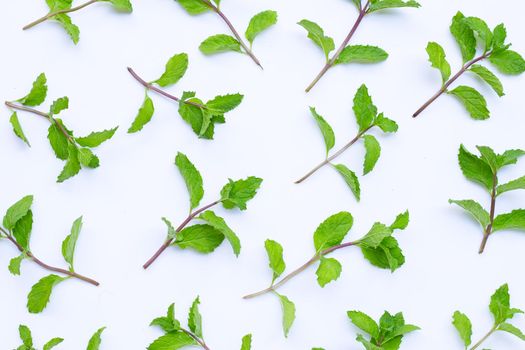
(169, 241)
(52, 14)
(449, 82)
(46, 266)
(303, 267)
(331, 61)
(150, 86)
(196, 338)
(478, 344)
(335, 155)
(488, 230)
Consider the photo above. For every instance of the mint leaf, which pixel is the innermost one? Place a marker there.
(194, 7)
(489, 78)
(329, 270)
(171, 230)
(72, 166)
(385, 124)
(69, 244)
(385, 4)
(489, 156)
(373, 151)
(17, 128)
(191, 177)
(22, 230)
(172, 341)
(168, 323)
(316, 34)
(122, 5)
(474, 168)
(475, 209)
(464, 37)
(333, 230)
(387, 255)
(224, 104)
(473, 101)
(500, 304)
(509, 157)
(219, 43)
(481, 29)
(52, 343)
(40, 293)
(175, 69)
(361, 54)
(14, 264)
(195, 318)
(350, 178)
(507, 327)
(364, 109)
(518, 184)
(38, 92)
(364, 322)
(71, 29)
(220, 225)
(401, 221)
(508, 62)
(259, 23)
(58, 141)
(25, 335)
(87, 158)
(499, 36)
(288, 308)
(144, 115)
(95, 341)
(515, 220)
(437, 57)
(202, 238)
(57, 5)
(17, 211)
(96, 138)
(326, 130)
(238, 193)
(246, 342)
(463, 326)
(275, 257)
(376, 235)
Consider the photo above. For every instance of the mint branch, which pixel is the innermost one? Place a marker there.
(169, 240)
(59, 12)
(447, 84)
(39, 262)
(488, 230)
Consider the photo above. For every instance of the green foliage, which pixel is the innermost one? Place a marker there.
(377, 5)
(27, 340)
(96, 340)
(259, 23)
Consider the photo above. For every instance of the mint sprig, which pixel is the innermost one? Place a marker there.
(75, 151)
(59, 9)
(378, 246)
(501, 311)
(201, 116)
(367, 117)
(225, 43)
(471, 32)
(484, 170)
(211, 229)
(350, 53)
(28, 343)
(177, 337)
(17, 226)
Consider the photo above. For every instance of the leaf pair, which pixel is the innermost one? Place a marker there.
(75, 151)
(367, 117)
(378, 246)
(484, 169)
(202, 117)
(27, 340)
(501, 311)
(471, 32)
(177, 337)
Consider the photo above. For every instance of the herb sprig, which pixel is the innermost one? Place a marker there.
(469, 32)
(484, 171)
(17, 227)
(206, 236)
(351, 53)
(225, 43)
(378, 246)
(501, 311)
(367, 117)
(178, 337)
(201, 116)
(59, 9)
(76, 151)
(27, 340)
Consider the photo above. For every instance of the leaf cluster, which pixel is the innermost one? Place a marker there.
(27, 340)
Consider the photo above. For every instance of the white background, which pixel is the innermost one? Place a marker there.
(271, 135)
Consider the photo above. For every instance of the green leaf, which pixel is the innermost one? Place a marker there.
(38, 92)
(59, 105)
(95, 139)
(515, 220)
(17, 128)
(500, 304)
(288, 308)
(58, 141)
(437, 57)
(385, 4)
(508, 62)
(373, 151)
(499, 36)
(22, 230)
(463, 326)
(40, 293)
(489, 156)
(333, 230)
(17, 211)
(401, 221)
(72, 166)
(191, 177)
(69, 244)
(350, 178)
(376, 235)
(326, 130)
(95, 341)
(122, 5)
(224, 104)
(171, 230)
(474, 168)
(25, 335)
(473, 101)
(464, 37)
(220, 225)
(329, 270)
(246, 342)
(481, 29)
(56, 5)
(358, 5)
(275, 257)
(87, 158)
(385, 124)
(475, 209)
(175, 69)
(14, 264)
(364, 322)
(238, 193)
(368, 345)
(489, 78)
(202, 238)
(52, 343)
(509, 157)
(194, 7)
(316, 34)
(518, 184)
(387, 255)
(168, 323)
(71, 29)
(507, 327)
(144, 115)
(191, 114)
(195, 318)
(259, 23)
(364, 109)
(362, 54)
(219, 43)
(172, 341)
